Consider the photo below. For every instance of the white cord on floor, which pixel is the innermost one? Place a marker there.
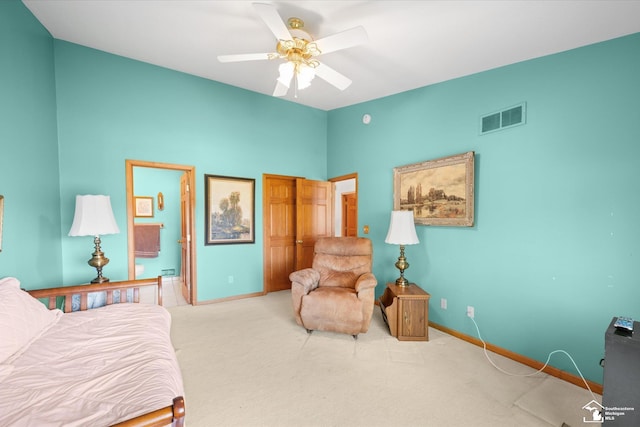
(484, 345)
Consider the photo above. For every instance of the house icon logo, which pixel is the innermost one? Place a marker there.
(596, 412)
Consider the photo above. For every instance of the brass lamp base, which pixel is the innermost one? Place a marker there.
(402, 265)
(100, 279)
(98, 261)
(402, 281)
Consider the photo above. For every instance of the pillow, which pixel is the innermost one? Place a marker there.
(22, 318)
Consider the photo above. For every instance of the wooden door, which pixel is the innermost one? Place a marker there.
(279, 222)
(349, 215)
(185, 237)
(313, 217)
(294, 209)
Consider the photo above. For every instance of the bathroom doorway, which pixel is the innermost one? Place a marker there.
(161, 200)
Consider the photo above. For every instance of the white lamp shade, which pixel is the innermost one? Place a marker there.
(93, 217)
(402, 229)
(286, 70)
(305, 75)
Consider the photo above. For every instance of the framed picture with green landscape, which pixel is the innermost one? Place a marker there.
(229, 210)
(440, 191)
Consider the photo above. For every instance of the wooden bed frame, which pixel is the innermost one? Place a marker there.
(169, 415)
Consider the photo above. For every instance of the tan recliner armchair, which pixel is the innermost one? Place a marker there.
(337, 292)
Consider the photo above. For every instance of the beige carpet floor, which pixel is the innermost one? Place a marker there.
(247, 363)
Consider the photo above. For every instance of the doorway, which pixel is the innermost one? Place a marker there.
(346, 205)
(183, 203)
(296, 212)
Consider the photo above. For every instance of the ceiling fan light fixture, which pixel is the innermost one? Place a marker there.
(298, 49)
(303, 73)
(299, 53)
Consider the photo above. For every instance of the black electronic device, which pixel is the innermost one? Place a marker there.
(621, 394)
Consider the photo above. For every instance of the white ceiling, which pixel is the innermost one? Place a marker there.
(411, 43)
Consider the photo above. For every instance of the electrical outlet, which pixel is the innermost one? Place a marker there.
(443, 303)
(470, 311)
(230, 279)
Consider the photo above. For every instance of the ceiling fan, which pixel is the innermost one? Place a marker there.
(299, 51)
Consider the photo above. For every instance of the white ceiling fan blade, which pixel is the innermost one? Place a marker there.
(281, 89)
(243, 57)
(332, 76)
(342, 40)
(270, 16)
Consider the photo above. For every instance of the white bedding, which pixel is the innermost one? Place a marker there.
(93, 368)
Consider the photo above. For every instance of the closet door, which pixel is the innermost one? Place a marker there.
(279, 230)
(314, 202)
(295, 212)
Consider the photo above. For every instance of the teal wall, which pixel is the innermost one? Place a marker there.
(28, 150)
(111, 109)
(149, 182)
(552, 256)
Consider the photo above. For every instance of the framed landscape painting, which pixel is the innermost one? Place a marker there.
(440, 191)
(229, 210)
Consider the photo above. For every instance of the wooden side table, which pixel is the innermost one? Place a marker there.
(405, 310)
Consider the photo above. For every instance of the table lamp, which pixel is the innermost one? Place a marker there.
(402, 231)
(94, 217)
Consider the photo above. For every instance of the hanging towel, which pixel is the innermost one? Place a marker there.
(147, 240)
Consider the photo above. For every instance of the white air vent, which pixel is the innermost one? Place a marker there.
(509, 117)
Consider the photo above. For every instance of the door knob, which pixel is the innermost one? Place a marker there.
(299, 241)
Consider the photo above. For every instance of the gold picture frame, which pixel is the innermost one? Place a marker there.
(143, 206)
(440, 191)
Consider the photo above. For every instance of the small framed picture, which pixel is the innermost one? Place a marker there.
(143, 206)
